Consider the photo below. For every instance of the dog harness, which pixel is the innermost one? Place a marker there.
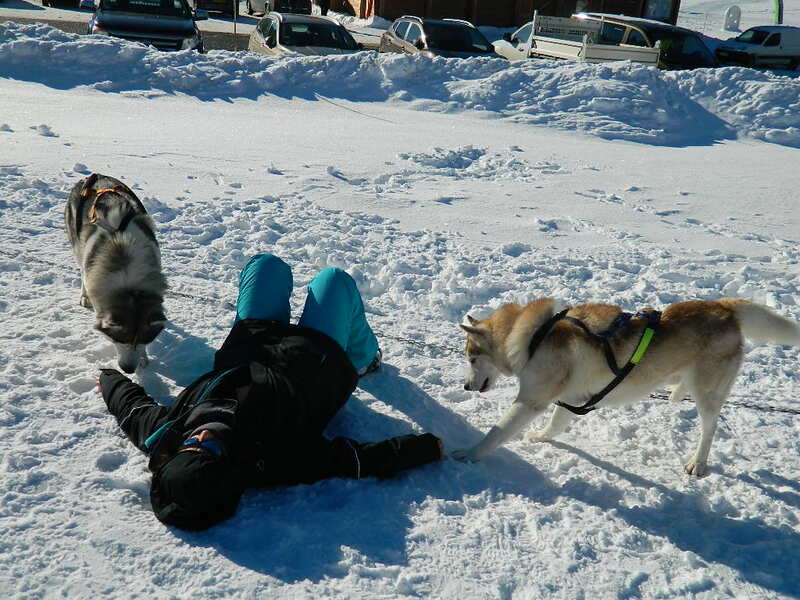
(653, 317)
(92, 216)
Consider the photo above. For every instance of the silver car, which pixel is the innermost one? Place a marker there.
(278, 33)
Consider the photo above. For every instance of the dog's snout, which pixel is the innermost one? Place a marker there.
(466, 387)
(128, 368)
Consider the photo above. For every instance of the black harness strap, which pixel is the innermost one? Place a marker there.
(543, 330)
(653, 317)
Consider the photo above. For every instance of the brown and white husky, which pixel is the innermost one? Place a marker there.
(696, 347)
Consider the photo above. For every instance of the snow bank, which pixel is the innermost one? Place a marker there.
(613, 101)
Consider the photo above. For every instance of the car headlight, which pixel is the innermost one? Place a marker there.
(192, 42)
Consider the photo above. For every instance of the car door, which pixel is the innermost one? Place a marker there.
(518, 43)
(393, 40)
(412, 37)
(267, 39)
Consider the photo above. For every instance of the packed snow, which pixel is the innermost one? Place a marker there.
(445, 187)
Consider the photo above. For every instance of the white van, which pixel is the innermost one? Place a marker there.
(775, 46)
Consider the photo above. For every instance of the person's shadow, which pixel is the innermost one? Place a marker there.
(306, 532)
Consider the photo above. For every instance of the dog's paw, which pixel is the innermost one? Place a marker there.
(536, 437)
(463, 456)
(696, 468)
(85, 302)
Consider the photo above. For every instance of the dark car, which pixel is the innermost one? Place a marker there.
(164, 24)
(452, 38)
(681, 48)
(229, 8)
(298, 7)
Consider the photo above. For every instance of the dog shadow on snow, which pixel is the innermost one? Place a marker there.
(175, 355)
(323, 530)
(761, 554)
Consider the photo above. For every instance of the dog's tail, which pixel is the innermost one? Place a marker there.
(760, 324)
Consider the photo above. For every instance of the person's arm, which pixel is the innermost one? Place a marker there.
(138, 415)
(343, 457)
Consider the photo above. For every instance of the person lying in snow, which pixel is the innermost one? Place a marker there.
(257, 418)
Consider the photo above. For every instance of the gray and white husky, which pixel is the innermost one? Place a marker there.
(113, 239)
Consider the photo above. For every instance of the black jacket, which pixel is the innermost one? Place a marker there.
(272, 392)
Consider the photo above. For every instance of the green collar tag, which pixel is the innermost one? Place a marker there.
(643, 344)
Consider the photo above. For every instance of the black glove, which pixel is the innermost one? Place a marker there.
(384, 459)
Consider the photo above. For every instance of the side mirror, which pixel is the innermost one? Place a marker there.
(359, 45)
(508, 37)
(419, 44)
(200, 15)
(271, 41)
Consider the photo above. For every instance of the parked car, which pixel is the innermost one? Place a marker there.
(681, 48)
(229, 8)
(299, 7)
(452, 38)
(164, 24)
(279, 33)
(573, 39)
(775, 46)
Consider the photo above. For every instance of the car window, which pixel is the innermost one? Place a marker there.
(317, 34)
(635, 38)
(611, 33)
(455, 38)
(400, 28)
(414, 33)
(753, 36)
(170, 8)
(523, 33)
(773, 40)
(265, 26)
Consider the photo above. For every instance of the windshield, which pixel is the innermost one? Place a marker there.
(753, 36)
(317, 34)
(455, 38)
(170, 8)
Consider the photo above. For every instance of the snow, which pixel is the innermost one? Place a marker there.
(445, 187)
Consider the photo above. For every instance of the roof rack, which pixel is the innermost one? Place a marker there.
(462, 21)
(412, 17)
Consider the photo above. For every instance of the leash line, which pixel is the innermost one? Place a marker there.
(439, 348)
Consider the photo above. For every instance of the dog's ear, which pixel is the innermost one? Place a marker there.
(88, 184)
(472, 330)
(472, 320)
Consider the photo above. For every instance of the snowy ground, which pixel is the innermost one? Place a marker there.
(444, 187)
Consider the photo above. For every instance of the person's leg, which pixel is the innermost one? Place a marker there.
(265, 285)
(334, 307)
